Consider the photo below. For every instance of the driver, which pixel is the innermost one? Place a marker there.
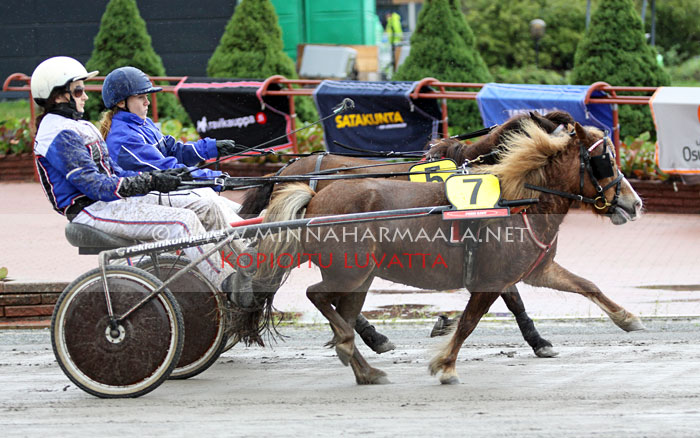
(83, 183)
(136, 143)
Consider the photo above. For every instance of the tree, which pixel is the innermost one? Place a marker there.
(677, 29)
(614, 50)
(503, 31)
(251, 47)
(443, 47)
(123, 40)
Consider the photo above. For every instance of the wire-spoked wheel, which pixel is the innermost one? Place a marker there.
(202, 309)
(130, 358)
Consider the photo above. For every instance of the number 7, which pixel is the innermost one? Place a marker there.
(477, 184)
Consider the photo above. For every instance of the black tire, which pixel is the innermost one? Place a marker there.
(148, 344)
(202, 310)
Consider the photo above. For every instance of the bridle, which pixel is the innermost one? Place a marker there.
(598, 167)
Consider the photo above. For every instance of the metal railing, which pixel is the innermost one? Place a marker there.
(614, 95)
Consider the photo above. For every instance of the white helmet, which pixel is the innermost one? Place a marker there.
(58, 71)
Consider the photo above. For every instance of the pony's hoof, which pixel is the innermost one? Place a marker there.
(373, 377)
(383, 348)
(546, 352)
(381, 380)
(632, 324)
(449, 380)
(627, 321)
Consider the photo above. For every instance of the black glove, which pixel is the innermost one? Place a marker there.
(164, 181)
(135, 185)
(160, 181)
(182, 172)
(227, 147)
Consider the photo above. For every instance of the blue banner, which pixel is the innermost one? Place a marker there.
(385, 118)
(499, 102)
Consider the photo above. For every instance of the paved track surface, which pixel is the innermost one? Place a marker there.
(604, 383)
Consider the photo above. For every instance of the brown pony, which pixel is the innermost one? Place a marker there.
(484, 151)
(548, 165)
(257, 199)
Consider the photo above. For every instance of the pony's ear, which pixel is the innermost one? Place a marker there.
(580, 132)
(543, 123)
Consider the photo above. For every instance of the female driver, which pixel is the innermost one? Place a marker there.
(83, 183)
(135, 142)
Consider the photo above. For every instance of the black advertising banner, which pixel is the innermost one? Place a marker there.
(234, 109)
(384, 118)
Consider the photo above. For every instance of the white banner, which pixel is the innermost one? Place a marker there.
(676, 112)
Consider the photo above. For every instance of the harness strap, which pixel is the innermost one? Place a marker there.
(560, 193)
(314, 182)
(543, 246)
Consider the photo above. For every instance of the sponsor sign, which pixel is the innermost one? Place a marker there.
(676, 112)
(384, 118)
(233, 109)
(499, 102)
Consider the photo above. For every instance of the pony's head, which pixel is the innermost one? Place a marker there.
(579, 165)
(602, 181)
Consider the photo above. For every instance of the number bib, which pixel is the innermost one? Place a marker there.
(433, 169)
(473, 192)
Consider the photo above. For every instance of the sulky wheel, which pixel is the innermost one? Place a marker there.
(128, 360)
(202, 310)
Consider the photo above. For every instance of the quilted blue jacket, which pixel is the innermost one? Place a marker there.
(137, 144)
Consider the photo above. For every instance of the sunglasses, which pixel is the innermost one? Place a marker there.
(77, 92)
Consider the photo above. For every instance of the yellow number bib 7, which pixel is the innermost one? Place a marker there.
(433, 169)
(471, 192)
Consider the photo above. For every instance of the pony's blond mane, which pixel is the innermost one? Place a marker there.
(525, 154)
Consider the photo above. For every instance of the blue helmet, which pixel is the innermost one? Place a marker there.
(124, 82)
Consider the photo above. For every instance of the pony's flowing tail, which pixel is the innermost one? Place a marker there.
(251, 322)
(288, 203)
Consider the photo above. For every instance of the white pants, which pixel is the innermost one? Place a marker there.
(214, 212)
(135, 218)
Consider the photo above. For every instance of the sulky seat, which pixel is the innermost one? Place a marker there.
(90, 240)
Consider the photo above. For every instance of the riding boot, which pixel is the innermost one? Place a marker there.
(442, 326)
(374, 340)
(238, 286)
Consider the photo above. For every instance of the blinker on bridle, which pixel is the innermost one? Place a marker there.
(598, 167)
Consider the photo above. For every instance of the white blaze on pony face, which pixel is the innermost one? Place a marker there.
(632, 199)
(629, 204)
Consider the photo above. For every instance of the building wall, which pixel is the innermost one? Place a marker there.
(183, 32)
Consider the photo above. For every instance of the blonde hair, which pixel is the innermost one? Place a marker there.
(106, 121)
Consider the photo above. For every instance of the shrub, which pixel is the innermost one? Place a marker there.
(528, 75)
(180, 132)
(443, 47)
(677, 28)
(15, 136)
(251, 47)
(614, 50)
(503, 31)
(123, 40)
(637, 158)
(687, 74)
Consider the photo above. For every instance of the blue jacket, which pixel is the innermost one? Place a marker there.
(73, 163)
(139, 145)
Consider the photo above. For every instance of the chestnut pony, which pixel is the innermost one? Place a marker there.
(483, 151)
(555, 168)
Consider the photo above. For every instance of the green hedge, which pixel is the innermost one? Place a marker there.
(443, 47)
(614, 50)
(123, 40)
(251, 47)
